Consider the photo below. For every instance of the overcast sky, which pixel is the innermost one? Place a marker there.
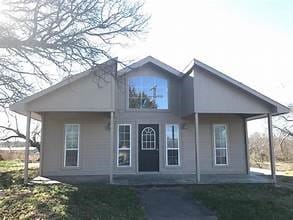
(249, 40)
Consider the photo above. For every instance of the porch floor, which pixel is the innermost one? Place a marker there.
(183, 179)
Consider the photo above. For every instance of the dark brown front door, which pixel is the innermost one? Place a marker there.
(148, 145)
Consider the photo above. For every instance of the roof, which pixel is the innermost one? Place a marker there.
(281, 108)
(19, 107)
(154, 61)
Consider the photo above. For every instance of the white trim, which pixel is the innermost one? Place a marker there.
(42, 144)
(155, 137)
(226, 149)
(130, 147)
(178, 148)
(65, 150)
(150, 59)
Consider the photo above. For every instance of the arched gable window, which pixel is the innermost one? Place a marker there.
(148, 92)
(148, 139)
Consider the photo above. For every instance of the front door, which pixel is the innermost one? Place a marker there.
(148, 145)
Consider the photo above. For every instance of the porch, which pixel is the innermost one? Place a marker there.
(185, 179)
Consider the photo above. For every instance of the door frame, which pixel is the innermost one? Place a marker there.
(137, 148)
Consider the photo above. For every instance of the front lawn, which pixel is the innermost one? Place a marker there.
(63, 201)
(246, 201)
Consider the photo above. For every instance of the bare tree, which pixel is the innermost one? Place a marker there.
(12, 132)
(44, 40)
(38, 34)
(284, 124)
(258, 149)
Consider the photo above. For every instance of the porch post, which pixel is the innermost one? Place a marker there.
(27, 145)
(42, 144)
(111, 146)
(271, 145)
(246, 146)
(196, 147)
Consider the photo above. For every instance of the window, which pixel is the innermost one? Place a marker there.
(148, 139)
(148, 92)
(124, 145)
(172, 144)
(220, 144)
(71, 154)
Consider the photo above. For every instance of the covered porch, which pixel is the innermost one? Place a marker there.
(185, 179)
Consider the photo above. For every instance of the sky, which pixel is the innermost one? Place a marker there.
(249, 40)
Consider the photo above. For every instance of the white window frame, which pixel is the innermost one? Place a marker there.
(130, 146)
(65, 149)
(178, 148)
(155, 137)
(226, 149)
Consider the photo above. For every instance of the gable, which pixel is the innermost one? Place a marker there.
(85, 94)
(215, 95)
(153, 61)
(173, 82)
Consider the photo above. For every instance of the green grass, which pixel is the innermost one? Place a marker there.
(246, 201)
(10, 165)
(11, 173)
(63, 201)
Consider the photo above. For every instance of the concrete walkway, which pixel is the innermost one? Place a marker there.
(264, 171)
(172, 203)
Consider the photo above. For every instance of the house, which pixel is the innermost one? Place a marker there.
(146, 118)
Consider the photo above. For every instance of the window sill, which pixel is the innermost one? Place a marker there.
(173, 166)
(126, 166)
(71, 168)
(148, 110)
(221, 166)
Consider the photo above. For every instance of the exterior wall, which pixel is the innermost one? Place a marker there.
(178, 97)
(162, 119)
(214, 95)
(94, 158)
(236, 144)
(95, 134)
(124, 115)
(87, 95)
(187, 96)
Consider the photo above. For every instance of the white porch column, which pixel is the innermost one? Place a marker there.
(27, 145)
(271, 145)
(42, 144)
(111, 146)
(196, 135)
(246, 146)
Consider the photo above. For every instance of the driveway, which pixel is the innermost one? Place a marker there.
(172, 203)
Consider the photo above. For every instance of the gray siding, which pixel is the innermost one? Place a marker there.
(236, 144)
(95, 134)
(85, 94)
(180, 103)
(94, 144)
(187, 96)
(214, 95)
